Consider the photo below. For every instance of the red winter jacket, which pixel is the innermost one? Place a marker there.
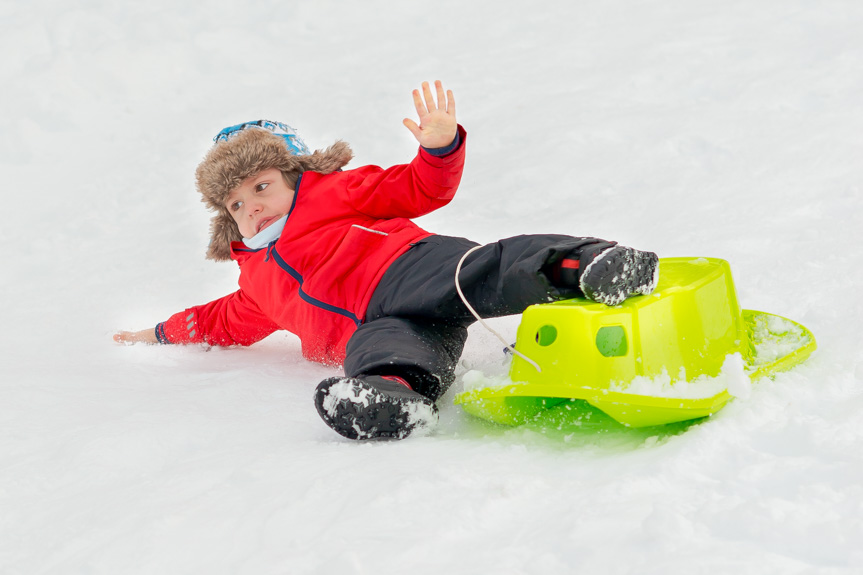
(342, 233)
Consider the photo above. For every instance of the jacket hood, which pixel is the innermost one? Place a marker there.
(246, 154)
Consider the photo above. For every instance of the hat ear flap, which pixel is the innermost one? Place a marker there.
(223, 231)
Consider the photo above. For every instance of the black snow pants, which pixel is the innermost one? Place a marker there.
(416, 324)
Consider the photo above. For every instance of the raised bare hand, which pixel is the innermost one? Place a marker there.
(437, 124)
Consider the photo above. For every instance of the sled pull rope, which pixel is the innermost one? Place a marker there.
(509, 346)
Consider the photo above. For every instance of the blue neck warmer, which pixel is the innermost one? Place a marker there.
(266, 235)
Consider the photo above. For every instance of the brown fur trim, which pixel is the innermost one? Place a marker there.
(223, 231)
(247, 154)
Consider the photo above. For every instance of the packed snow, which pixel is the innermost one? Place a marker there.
(725, 129)
(731, 377)
(775, 337)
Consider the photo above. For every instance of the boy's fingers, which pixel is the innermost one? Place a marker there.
(123, 337)
(441, 100)
(428, 96)
(131, 337)
(418, 104)
(450, 103)
(412, 126)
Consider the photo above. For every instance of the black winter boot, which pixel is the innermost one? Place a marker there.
(611, 275)
(373, 407)
(617, 273)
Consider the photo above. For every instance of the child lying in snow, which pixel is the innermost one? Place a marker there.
(333, 257)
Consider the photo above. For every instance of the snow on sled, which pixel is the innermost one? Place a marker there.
(675, 355)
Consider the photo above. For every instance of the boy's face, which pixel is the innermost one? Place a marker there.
(259, 201)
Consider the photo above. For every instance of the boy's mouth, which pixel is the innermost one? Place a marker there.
(265, 223)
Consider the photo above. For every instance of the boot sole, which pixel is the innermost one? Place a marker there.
(620, 272)
(356, 410)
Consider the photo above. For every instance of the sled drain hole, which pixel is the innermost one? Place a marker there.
(611, 341)
(546, 335)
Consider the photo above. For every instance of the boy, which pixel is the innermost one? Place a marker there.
(334, 257)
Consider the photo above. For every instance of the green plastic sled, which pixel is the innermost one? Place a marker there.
(681, 333)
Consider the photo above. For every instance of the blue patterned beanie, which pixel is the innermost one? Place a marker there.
(293, 141)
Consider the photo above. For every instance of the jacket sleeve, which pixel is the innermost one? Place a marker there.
(231, 320)
(410, 190)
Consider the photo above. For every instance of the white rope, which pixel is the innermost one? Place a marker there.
(476, 315)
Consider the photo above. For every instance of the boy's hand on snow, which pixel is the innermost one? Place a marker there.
(437, 127)
(132, 337)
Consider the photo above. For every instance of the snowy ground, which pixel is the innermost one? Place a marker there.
(729, 129)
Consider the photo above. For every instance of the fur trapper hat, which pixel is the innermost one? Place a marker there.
(246, 150)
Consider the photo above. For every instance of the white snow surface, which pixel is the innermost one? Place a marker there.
(724, 129)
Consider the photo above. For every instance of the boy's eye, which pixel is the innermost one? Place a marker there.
(235, 206)
(261, 187)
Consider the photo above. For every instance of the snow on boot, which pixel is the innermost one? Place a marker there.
(373, 407)
(617, 273)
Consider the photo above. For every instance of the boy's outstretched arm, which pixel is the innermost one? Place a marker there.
(234, 319)
(438, 126)
(130, 337)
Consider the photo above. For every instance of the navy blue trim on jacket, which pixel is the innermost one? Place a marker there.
(306, 297)
(160, 333)
(296, 192)
(438, 152)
